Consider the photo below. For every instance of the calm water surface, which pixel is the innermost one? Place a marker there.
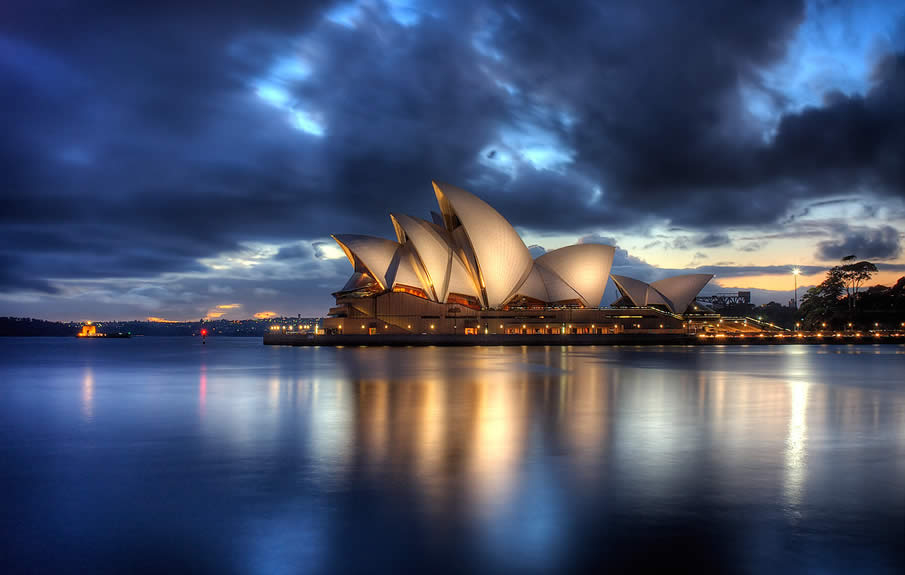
(162, 455)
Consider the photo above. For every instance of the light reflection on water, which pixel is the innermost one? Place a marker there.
(237, 457)
(87, 394)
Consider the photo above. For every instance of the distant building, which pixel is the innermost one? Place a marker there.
(723, 300)
(88, 330)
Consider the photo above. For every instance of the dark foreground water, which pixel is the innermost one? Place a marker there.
(160, 455)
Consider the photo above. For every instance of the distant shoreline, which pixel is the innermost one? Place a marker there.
(33, 327)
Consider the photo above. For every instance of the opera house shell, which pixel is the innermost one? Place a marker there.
(674, 293)
(470, 261)
(471, 255)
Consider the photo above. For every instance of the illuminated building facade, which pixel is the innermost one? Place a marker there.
(88, 330)
(468, 271)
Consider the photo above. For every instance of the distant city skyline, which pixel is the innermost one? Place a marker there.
(184, 162)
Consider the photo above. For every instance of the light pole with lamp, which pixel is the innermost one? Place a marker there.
(795, 273)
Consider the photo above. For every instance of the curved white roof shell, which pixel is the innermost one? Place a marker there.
(557, 289)
(676, 293)
(534, 286)
(638, 292)
(357, 281)
(680, 291)
(634, 290)
(460, 281)
(583, 267)
(406, 270)
(470, 250)
(431, 248)
(369, 255)
(503, 261)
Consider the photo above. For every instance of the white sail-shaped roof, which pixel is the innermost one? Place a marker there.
(676, 293)
(431, 248)
(358, 281)
(369, 255)
(635, 290)
(557, 289)
(680, 291)
(584, 267)
(534, 286)
(503, 261)
(406, 270)
(471, 250)
(460, 281)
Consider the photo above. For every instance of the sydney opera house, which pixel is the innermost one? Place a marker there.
(467, 271)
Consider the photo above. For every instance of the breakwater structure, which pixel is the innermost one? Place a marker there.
(630, 339)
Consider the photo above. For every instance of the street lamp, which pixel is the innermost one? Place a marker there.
(795, 273)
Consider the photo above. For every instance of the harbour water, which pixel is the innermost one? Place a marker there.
(163, 455)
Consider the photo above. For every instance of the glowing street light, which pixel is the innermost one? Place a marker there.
(795, 273)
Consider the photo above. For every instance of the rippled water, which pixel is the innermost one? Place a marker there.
(162, 455)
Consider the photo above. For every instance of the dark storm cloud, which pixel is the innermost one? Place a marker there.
(880, 244)
(705, 240)
(597, 239)
(851, 140)
(663, 125)
(108, 112)
(14, 277)
(713, 240)
(294, 252)
(134, 143)
(621, 257)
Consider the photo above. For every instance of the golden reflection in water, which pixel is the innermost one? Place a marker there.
(497, 419)
(373, 409)
(331, 430)
(444, 424)
(428, 425)
(586, 422)
(88, 394)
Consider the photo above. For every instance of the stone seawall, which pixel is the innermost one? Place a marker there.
(567, 339)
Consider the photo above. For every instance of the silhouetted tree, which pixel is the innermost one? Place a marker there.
(854, 275)
(822, 301)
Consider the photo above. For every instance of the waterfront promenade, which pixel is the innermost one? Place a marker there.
(769, 338)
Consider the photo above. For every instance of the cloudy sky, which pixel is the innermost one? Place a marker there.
(180, 160)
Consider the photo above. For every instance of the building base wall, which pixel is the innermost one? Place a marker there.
(402, 313)
(414, 340)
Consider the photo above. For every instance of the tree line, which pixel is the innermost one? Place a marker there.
(839, 302)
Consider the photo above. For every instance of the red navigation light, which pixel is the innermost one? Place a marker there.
(203, 332)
